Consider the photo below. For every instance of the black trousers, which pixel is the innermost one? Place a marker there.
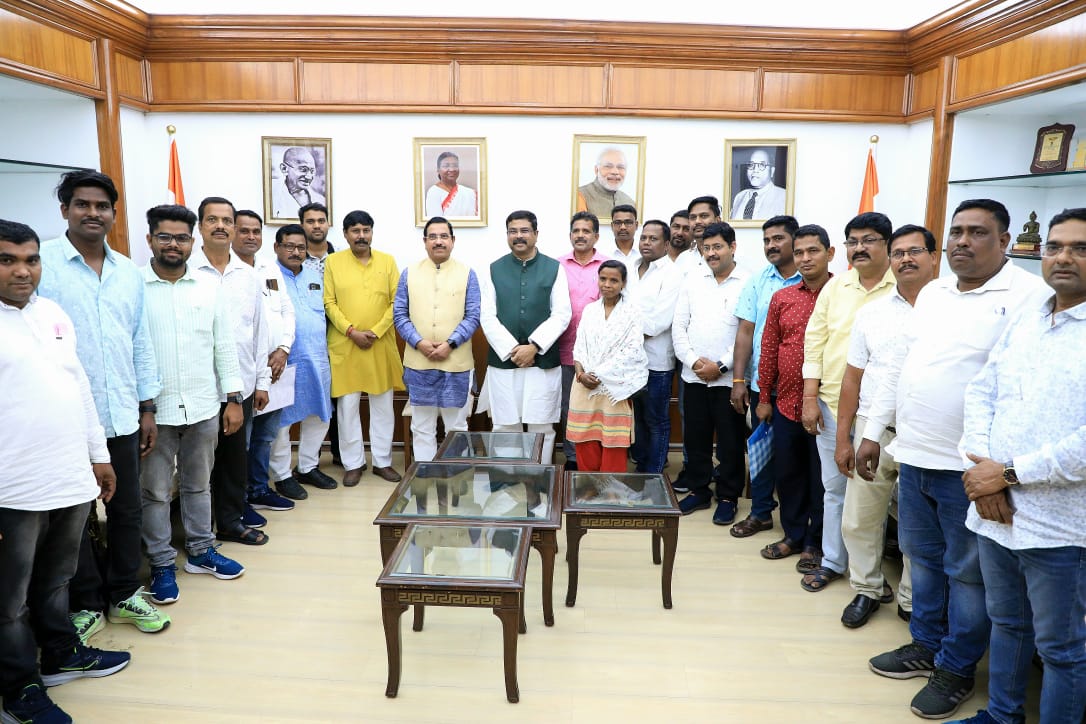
(230, 475)
(798, 473)
(37, 559)
(708, 410)
(98, 583)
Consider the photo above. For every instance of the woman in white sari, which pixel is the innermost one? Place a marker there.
(610, 364)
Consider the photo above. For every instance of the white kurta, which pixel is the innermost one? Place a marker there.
(527, 395)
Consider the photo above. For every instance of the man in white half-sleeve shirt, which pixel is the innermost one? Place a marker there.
(55, 462)
(523, 382)
(703, 333)
(1025, 430)
(955, 322)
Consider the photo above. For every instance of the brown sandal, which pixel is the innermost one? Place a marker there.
(781, 549)
(749, 526)
(809, 560)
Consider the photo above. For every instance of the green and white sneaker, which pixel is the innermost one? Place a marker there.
(87, 623)
(140, 613)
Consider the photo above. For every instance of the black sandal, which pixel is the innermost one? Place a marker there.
(820, 578)
(244, 535)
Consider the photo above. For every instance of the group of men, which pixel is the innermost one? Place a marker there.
(870, 379)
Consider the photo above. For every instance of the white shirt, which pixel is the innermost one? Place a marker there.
(769, 202)
(277, 305)
(51, 431)
(691, 261)
(245, 305)
(631, 261)
(656, 294)
(1026, 408)
(705, 323)
(946, 343)
(876, 341)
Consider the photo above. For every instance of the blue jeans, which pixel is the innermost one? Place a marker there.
(762, 503)
(949, 616)
(263, 430)
(1036, 597)
(653, 423)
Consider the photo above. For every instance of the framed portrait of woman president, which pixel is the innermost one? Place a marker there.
(759, 180)
(297, 172)
(450, 180)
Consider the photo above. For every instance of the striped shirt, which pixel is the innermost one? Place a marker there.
(112, 340)
(194, 342)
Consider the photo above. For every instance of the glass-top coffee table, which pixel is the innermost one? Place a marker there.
(479, 493)
(504, 447)
(480, 566)
(625, 501)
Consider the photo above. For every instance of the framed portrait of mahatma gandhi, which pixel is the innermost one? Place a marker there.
(297, 171)
(759, 180)
(450, 180)
(608, 171)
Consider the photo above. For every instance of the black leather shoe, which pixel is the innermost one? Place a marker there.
(290, 488)
(904, 615)
(857, 612)
(316, 478)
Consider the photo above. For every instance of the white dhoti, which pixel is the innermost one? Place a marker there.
(530, 395)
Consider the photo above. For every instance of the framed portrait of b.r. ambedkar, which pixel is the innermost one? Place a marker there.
(297, 172)
(608, 171)
(759, 180)
(450, 180)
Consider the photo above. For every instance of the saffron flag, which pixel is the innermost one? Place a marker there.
(871, 185)
(176, 188)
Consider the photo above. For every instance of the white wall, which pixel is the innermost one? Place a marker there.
(43, 126)
(530, 166)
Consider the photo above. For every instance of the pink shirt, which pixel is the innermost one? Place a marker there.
(584, 288)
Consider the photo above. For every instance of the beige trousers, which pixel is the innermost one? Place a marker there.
(863, 523)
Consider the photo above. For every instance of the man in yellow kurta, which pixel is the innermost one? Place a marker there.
(359, 288)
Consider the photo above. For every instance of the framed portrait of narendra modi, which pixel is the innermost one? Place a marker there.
(608, 171)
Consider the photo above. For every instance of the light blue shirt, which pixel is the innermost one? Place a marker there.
(309, 353)
(1026, 408)
(111, 329)
(753, 307)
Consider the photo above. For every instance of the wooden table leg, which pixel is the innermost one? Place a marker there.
(390, 616)
(574, 533)
(548, 549)
(419, 617)
(508, 615)
(670, 534)
(656, 546)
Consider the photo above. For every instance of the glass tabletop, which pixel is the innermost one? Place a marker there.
(627, 490)
(458, 552)
(491, 445)
(504, 492)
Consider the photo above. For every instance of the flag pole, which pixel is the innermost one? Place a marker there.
(173, 180)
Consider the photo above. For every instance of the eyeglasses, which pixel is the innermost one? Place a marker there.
(523, 231)
(304, 170)
(915, 252)
(1054, 248)
(866, 241)
(181, 239)
(757, 166)
(623, 222)
(438, 237)
(293, 247)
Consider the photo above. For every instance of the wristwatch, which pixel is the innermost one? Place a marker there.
(1010, 477)
(452, 344)
(722, 367)
(235, 397)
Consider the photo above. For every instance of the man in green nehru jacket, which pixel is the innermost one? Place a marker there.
(523, 382)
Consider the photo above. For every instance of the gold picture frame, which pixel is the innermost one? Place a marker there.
(627, 158)
(464, 201)
(778, 165)
(293, 168)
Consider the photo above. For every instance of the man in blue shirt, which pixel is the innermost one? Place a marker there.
(778, 234)
(102, 291)
(312, 406)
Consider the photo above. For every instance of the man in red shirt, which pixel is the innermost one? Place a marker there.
(796, 465)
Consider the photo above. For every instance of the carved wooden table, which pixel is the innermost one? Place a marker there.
(479, 493)
(477, 566)
(493, 447)
(621, 501)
